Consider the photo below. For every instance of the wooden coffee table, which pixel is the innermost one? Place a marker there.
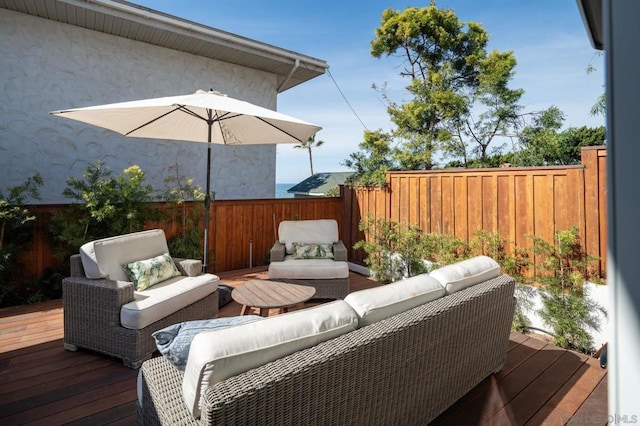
(265, 295)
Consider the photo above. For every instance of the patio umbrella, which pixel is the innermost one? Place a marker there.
(207, 117)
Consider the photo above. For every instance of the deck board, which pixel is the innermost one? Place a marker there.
(594, 408)
(562, 405)
(41, 383)
(527, 403)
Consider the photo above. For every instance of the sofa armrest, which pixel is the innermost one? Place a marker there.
(339, 251)
(188, 267)
(278, 252)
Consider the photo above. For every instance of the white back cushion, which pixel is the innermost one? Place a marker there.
(217, 355)
(307, 231)
(104, 258)
(466, 273)
(375, 304)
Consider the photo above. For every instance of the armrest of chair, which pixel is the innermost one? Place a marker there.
(188, 267)
(278, 252)
(77, 270)
(339, 251)
(96, 300)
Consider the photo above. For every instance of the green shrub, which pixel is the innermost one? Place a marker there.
(103, 206)
(392, 249)
(16, 232)
(178, 190)
(524, 295)
(400, 250)
(442, 249)
(566, 308)
(489, 244)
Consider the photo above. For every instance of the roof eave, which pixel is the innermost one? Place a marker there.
(591, 12)
(150, 26)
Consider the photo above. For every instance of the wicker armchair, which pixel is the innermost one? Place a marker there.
(330, 277)
(93, 307)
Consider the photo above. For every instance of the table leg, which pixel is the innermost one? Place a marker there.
(246, 310)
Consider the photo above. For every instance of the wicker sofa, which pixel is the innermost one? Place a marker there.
(104, 313)
(406, 368)
(330, 277)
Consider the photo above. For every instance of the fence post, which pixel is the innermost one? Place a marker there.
(595, 200)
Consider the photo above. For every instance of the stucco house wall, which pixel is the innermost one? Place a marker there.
(47, 65)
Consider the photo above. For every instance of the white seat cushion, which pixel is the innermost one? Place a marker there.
(375, 304)
(466, 273)
(104, 258)
(217, 355)
(307, 231)
(165, 298)
(308, 269)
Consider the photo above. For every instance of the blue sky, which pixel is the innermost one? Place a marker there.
(547, 37)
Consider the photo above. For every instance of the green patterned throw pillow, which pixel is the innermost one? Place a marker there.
(145, 273)
(312, 251)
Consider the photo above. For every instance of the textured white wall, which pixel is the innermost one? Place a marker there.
(48, 66)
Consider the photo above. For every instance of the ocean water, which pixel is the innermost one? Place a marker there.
(281, 190)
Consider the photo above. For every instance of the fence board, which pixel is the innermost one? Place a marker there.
(476, 201)
(490, 206)
(595, 217)
(460, 199)
(423, 210)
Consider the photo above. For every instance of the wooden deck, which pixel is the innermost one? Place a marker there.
(41, 383)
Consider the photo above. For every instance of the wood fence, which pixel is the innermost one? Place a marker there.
(239, 225)
(514, 202)
(241, 231)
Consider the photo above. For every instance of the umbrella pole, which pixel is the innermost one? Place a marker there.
(207, 202)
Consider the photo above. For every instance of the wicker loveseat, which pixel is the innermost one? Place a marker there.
(405, 368)
(104, 313)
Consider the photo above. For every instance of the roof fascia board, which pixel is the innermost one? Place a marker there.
(166, 22)
(591, 12)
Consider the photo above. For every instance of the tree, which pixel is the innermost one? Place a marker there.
(372, 161)
(600, 107)
(543, 144)
(309, 145)
(539, 141)
(461, 100)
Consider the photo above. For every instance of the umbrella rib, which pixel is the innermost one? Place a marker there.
(217, 120)
(278, 128)
(211, 120)
(151, 121)
(186, 110)
(217, 117)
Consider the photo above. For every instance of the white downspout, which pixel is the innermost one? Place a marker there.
(296, 65)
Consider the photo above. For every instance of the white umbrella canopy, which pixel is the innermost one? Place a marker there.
(187, 118)
(207, 117)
